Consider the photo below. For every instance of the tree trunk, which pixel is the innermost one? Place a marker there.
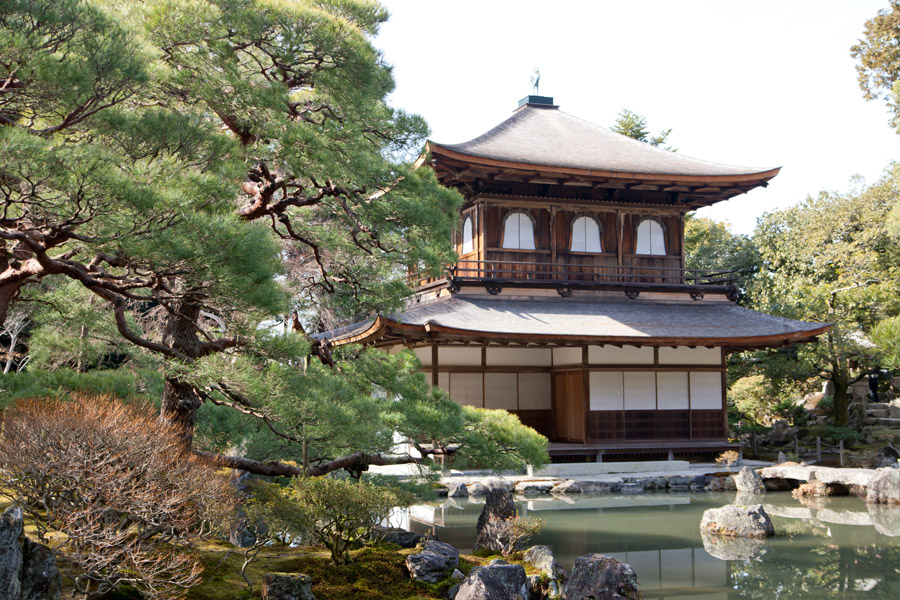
(8, 291)
(841, 404)
(179, 401)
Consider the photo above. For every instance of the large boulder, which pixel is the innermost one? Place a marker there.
(732, 548)
(491, 532)
(287, 586)
(28, 570)
(482, 584)
(598, 577)
(748, 481)
(11, 536)
(884, 487)
(782, 432)
(41, 579)
(739, 521)
(477, 489)
(569, 486)
(436, 561)
(542, 559)
(457, 490)
(535, 487)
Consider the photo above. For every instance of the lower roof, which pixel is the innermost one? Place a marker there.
(578, 320)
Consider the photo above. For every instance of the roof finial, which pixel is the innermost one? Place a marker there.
(536, 80)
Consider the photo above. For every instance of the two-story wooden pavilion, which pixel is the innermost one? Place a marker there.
(570, 304)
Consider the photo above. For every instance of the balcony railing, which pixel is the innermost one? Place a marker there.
(528, 274)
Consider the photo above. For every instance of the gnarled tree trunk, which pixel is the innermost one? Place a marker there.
(179, 400)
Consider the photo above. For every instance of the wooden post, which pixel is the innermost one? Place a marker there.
(797, 447)
(600, 456)
(818, 449)
(841, 450)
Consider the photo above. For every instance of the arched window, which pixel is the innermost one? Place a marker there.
(467, 243)
(585, 235)
(650, 238)
(518, 232)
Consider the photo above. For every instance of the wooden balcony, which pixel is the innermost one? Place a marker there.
(495, 275)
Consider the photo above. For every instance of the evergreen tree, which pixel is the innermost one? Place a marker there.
(633, 125)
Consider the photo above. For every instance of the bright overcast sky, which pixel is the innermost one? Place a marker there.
(758, 83)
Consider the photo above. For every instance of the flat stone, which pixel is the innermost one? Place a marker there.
(569, 486)
(598, 577)
(433, 563)
(535, 487)
(886, 519)
(632, 488)
(601, 487)
(739, 521)
(790, 472)
(845, 476)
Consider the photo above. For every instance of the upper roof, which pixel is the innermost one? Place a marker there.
(584, 320)
(547, 136)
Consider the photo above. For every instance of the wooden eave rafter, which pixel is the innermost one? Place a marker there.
(383, 327)
(455, 168)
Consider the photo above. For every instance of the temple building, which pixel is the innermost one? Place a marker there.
(570, 304)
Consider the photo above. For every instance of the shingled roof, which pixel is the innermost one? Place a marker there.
(580, 320)
(547, 136)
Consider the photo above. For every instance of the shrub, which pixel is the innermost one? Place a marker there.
(117, 483)
(517, 531)
(848, 434)
(341, 512)
(728, 458)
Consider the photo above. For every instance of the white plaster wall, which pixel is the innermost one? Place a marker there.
(534, 391)
(640, 390)
(606, 390)
(518, 357)
(565, 357)
(444, 381)
(501, 390)
(459, 357)
(626, 355)
(706, 390)
(683, 355)
(466, 389)
(672, 390)
(424, 355)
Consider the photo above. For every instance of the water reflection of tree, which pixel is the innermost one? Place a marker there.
(816, 568)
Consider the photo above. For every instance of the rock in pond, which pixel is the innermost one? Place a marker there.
(535, 487)
(738, 521)
(884, 487)
(491, 531)
(598, 577)
(457, 490)
(748, 481)
(401, 537)
(287, 586)
(732, 548)
(433, 563)
(569, 486)
(477, 489)
(41, 579)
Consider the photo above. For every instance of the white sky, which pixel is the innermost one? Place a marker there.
(752, 83)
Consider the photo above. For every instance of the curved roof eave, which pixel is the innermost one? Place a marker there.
(757, 177)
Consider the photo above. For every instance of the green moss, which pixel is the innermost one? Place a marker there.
(376, 573)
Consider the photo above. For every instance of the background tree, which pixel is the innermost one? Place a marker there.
(633, 125)
(832, 259)
(878, 58)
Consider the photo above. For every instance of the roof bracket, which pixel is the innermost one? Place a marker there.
(493, 289)
(564, 291)
(632, 294)
(696, 295)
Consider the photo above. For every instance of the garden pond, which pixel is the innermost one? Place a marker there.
(829, 548)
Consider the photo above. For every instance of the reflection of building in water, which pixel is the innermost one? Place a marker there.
(655, 540)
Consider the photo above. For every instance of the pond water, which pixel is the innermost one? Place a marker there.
(839, 548)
